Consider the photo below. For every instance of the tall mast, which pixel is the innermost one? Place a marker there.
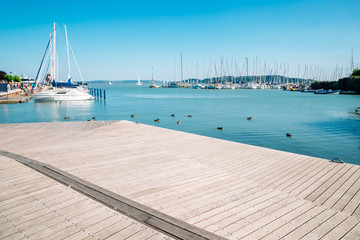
(152, 75)
(67, 50)
(181, 68)
(247, 69)
(197, 71)
(175, 71)
(341, 65)
(54, 55)
(352, 60)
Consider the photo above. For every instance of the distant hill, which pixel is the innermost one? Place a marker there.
(263, 79)
(119, 81)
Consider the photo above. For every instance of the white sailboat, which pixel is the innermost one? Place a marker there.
(110, 82)
(69, 91)
(63, 94)
(138, 82)
(153, 85)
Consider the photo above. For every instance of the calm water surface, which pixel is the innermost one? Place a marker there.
(321, 125)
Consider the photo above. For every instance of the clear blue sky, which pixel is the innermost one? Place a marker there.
(117, 40)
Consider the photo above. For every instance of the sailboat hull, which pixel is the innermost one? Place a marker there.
(62, 95)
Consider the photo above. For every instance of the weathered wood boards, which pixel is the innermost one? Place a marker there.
(34, 206)
(231, 189)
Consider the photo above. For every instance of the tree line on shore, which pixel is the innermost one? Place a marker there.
(9, 78)
(351, 83)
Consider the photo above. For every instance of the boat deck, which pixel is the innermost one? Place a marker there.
(204, 185)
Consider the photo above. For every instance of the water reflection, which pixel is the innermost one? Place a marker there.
(57, 111)
(67, 103)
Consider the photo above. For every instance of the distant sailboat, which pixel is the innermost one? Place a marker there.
(153, 85)
(110, 82)
(138, 82)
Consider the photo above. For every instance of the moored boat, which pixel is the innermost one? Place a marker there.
(308, 91)
(153, 85)
(68, 91)
(63, 94)
(327, 91)
(173, 85)
(197, 86)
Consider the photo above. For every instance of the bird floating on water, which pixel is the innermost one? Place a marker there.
(94, 118)
(249, 118)
(133, 115)
(178, 122)
(66, 117)
(172, 115)
(189, 115)
(220, 128)
(157, 120)
(288, 135)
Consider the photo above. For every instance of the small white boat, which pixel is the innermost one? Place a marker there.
(110, 82)
(327, 91)
(154, 86)
(197, 86)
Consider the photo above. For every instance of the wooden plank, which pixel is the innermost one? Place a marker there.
(326, 226)
(127, 232)
(294, 223)
(266, 224)
(32, 222)
(304, 228)
(353, 189)
(352, 233)
(112, 229)
(70, 225)
(317, 179)
(39, 207)
(328, 183)
(252, 218)
(335, 191)
(342, 229)
(87, 226)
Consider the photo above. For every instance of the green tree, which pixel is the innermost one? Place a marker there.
(16, 78)
(7, 77)
(356, 72)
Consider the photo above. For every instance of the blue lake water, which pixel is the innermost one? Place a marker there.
(321, 125)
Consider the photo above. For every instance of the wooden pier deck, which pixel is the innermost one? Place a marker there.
(34, 206)
(203, 185)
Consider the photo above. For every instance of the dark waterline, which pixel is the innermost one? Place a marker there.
(320, 126)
